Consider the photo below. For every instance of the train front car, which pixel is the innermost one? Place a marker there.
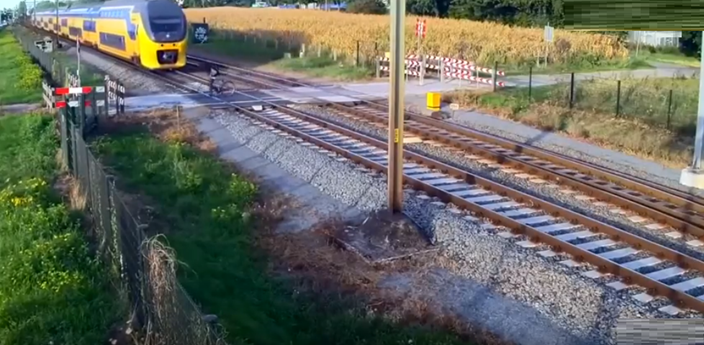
(163, 42)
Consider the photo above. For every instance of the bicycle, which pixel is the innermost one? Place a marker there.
(219, 86)
(222, 87)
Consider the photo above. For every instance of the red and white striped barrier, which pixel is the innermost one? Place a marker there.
(409, 72)
(415, 60)
(65, 91)
(60, 91)
(466, 76)
(71, 104)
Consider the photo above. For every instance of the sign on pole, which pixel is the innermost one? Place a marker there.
(549, 33)
(421, 28)
(78, 58)
(200, 32)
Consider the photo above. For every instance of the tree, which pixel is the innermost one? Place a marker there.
(367, 7)
(422, 7)
(22, 9)
(691, 43)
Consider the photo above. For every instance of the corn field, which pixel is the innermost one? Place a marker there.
(475, 41)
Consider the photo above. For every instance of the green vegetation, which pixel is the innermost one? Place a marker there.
(647, 125)
(89, 75)
(670, 55)
(251, 49)
(51, 289)
(579, 66)
(20, 78)
(212, 231)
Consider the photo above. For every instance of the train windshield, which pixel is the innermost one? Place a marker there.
(167, 29)
(166, 25)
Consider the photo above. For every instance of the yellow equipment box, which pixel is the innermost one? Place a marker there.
(433, 101)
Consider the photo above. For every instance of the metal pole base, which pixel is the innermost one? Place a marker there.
(692, 178)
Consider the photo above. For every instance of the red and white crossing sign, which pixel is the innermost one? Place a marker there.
(421, 28)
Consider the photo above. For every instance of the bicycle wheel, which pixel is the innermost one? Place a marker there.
(228, 88)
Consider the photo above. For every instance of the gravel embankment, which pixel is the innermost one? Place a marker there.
(548, 303)
(545, 191)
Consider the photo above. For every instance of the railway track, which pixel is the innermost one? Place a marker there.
(661, 270)
(660, 206)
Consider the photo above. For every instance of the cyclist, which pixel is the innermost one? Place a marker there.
(214, 72)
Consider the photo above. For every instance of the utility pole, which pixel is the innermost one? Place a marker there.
(693, 176)
(57, 27)
(396, 106)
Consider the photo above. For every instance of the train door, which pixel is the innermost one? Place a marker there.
(135, 28)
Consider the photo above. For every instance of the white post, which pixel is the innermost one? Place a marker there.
(694, 176)
(78, 58)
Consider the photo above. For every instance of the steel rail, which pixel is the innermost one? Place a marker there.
(535, 233)
(680, 210)
(520, 157)
(682, 202)
(657, 210)
(655, 287)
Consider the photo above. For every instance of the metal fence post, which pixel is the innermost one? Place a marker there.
(441, 71)
(669, 109)
(530, 84)
(618, 98)
(122, 96)
(571, 90)
(378, 67)
(107, 95)
(357, 58)
(494, 74)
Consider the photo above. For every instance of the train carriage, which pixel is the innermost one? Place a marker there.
(152, 34)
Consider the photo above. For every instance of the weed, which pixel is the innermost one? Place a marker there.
(213, 229)
(52, 290)
(20, 78)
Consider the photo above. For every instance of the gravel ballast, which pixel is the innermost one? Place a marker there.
(560, 144)
(545, 191)
(547, 302)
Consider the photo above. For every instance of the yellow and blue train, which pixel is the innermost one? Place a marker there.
(152, 34)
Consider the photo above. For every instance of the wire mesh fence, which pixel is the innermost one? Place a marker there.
(663, 102)
(140, 265)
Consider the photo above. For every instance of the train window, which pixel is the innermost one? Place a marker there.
(166, 25)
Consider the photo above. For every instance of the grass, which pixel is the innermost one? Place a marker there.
(213, 232)
(584, 65)
(89, 75)
(272, 53)
(670, 55)
(51, 289)
(20, 79)
(642, 127)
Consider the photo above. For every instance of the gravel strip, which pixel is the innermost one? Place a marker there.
(546, 191)
(585, 315)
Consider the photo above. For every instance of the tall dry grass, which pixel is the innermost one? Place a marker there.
(476, 41)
